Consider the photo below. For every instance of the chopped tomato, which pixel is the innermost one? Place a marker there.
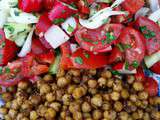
(38, 47)
(43, 25)
(39, 69)
(151, 32)
(47, 57)
(132, 42)
(48, 4)
(30, 5)
(88, 60)
(83, 7)
(115, 56)
(156, 68)
(10, 75)
(140, 76)
(98, 39)
(132, 5)
(45, 43)
(151, 86)
(65, 62)
(8, 51)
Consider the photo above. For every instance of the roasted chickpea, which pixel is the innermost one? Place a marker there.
(45, 88)
(156, 100)
(106, 74)
(110, 83)
(133, 97)
(92, 71)
(77, 116)
(41, 110)
(35, 99)
(106, 105)
(106, 96)
(97, 100)
(97, 114)
(75, 72)
(50, 97)
(118, 106)
(62, 82)
(14, 104)
(86, 107)
(78, 92)
(8, 104)
(115, 96)
(50, 114)
(12, 113)
(74, 106)
(33, 115)
(56, 106)
(143, 95)
(20, 116)
(92, 83)
(138, 86)
(3, 110)
(66, 99)
(102, 82)
(60, 73)
(48, 78)
(6, 96)
(123, 115)
(23, 85)
(7, 117)
(124, 94)
(71, 89)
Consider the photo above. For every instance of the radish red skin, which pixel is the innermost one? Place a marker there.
(61, 11)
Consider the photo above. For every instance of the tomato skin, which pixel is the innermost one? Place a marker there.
(65, 62)
(38, 47)
(140, 76)
(97, 35)
(43, 25)
(132, 5)
(151, 86)
(30, 5)
(115, 56)
(156, 68)
(135, 40)
(153, 43)
(93, 61)
(45, 43)
(82, 7)
(48, 4)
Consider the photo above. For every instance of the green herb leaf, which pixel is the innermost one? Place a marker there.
(95, 42)
(58, 21)
(126, 65)
(135, 64)
(110, 37)
(79, 60)
(147, 33)
(70, 29)
(1, 70)
(86, 55)
(114, 72)
(2, 44)
(119, 45)
(7, 70)
(143, 28)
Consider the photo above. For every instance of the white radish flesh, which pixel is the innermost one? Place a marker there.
(142, 12)
(155, 16)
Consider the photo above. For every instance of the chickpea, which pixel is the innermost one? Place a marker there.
(118, 106)
(86, 115)
(92, 91)
(66, 99)
(135, 116)
(102, 82)
(56, 106)
(62, 82)
(97, 114)
(140, 113)
(130, 79)
(12, 113)
(11, 89)
(92, 71)
(48, 78)
(143, 95)
(59, 94)
(63, 115)
(123, 115)
(35, 99)
(41, 110)
(26, 105)
(75, 72)
(20, 116)
(117, 86)
(106, 105)
(110, 115)
(110, 83)
(50, 114)
(77, 115)
(156, 100)
(25, 118)
(146, 116)
(133, 97)
(124, 94)
(50, 97)
(45, 88)
(3, 111)
(106, 74)
(92, 83)
(33, 115)
(74, 107)
(86, 107)
(138, 86)
(6, 96)
(14, 104)
(155, 115)
(23, 85)
(7, 117)
(8, 104)
(115, 96)
(71, 88)
(97, 100)
(78, 92)
(69, 118)
(60, 73)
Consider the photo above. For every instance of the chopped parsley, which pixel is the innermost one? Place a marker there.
(79, 60)
(123, 47)
(1, 70)
(147, 33)
(95, 42)
(114, 72)
(135, 64)
(70, 28)
(58, 21)
(2, 44)
(110, 37)
(126, 65)
(7, 70)
(87, 40)
(86, 55)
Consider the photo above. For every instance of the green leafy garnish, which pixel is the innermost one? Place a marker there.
(114, 72)
(1, 70)
(58, 21)
(7, 70)
(86, 55)
(126, 65)
(110, 37)
(79, 60)
(70, 29)
(135, 64)
(123, 47)
(2, 44)
(147, 33)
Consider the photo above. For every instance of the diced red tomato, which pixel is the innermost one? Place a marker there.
(65, 62)
(38, 47)
(83, 7)
(39, 69)
(140, 76)
(43, 25)
(45, 43)
(151, 31)
(69, 1)
(115, 56)
(48, 4)
(133, 44)
(8, 51)
(156, 68)
(98, 39)
(151, 86)
(102, 6)
(30, 5)
(88, 60)
(10, 75)
(60, 12)
(132, 5)
(118, 66)
(47, 57)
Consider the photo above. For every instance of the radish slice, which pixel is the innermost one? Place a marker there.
(155, 16)
(55, 36)
(4, 13)
(154, 5)
(152, 59)
(142, 12)
(27, 45)
(70, 25)
(101, 16)
(98, 19)
(22, 17)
